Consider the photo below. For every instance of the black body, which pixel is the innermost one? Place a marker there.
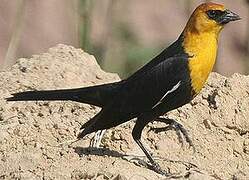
(160, 86)
(133, 97)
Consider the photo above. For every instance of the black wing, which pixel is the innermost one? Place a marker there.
(140, 94)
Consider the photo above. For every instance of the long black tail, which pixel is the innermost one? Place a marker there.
(95, 95)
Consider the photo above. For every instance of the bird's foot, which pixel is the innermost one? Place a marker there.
(156, 167)
(142, 161)
(138, 160)
(180, 130)
(95, 142)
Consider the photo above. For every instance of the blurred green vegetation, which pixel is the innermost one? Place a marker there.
(85, 9)
(124, 44)
(118, 48)
(134, 53)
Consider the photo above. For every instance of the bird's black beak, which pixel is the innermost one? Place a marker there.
(228, 16)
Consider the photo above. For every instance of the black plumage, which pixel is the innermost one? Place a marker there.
(161, 85)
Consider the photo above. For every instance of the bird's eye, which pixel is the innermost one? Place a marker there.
(214, 14)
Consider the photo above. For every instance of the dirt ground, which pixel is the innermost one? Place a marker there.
(34, 135)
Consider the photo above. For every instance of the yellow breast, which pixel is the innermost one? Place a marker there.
(203, 50)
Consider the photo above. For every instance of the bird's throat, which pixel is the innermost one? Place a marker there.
(202, 48)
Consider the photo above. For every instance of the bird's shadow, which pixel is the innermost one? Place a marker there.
(111, 153)
(140, 162)
(97, 151)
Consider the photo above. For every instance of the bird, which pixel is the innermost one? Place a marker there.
(170, 80)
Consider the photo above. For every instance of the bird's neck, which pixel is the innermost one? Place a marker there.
(202, 49)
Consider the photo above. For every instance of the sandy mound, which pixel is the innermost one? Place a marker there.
(31, 132)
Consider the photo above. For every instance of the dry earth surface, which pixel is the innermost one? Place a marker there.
(34, 135)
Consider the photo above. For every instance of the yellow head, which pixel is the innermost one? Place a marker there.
(201, 40)
(210, 17)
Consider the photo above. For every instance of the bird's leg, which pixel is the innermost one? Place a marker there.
(95, 142)
(172, 124)
(154, 165)
(136, 134)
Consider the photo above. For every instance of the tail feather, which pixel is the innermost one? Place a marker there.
(89, 126)
(49, 95)
(95, 95)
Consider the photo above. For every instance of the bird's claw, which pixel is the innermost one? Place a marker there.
(181, 132)
(141, 161)
(155, 167)
(138, 160)
(95, 142)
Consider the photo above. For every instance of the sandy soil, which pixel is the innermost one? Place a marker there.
(33, 135)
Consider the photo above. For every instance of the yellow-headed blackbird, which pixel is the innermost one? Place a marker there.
(170, 80)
